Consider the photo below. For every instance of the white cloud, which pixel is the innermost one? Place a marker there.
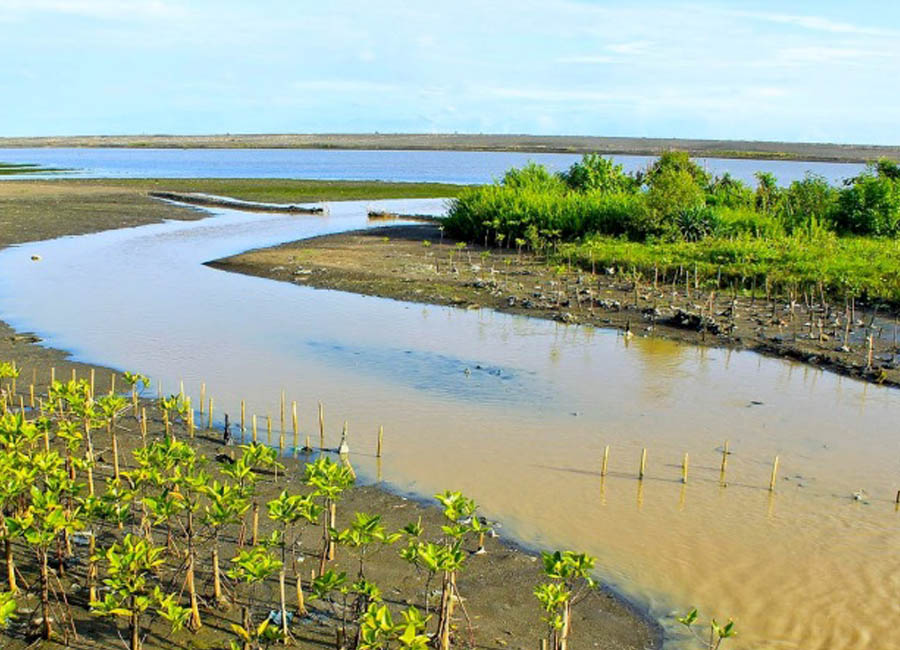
(815, 23)
(632, 48)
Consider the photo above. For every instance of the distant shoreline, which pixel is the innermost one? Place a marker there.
(757, 150)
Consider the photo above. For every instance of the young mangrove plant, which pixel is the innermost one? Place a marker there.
(570, 582)
(449, 558)
(329, 480)
(252, 568)
(130, 566)
(717, 633)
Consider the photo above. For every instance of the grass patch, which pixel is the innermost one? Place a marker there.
(9, 169)
(275, 190)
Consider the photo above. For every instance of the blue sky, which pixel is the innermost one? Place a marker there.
(798, 71)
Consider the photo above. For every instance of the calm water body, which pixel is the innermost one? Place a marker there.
(523, 432)
(435, 166)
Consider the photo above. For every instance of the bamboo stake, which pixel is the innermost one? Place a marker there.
(144, 425)
(254, 427)
(605, 464)
(112, 383)
(643, 463)
(52, 375)
(181, 388)
(321, 426)
(92, 383)
(210, 421)
(190, 422)
(724, 465)
(684, 468)
(295, 424)
(380, 441)
(31, 396)
(202, 398)
(242, 420)
(74, 375)
(774, 474)
(269, 429)
(14, 374)
(282, 419)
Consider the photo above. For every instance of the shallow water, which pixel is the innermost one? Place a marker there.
(523, 431)
(430, 166)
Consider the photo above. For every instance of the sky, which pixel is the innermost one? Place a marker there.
(819, 71)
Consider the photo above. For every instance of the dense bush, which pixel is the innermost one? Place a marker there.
(673, 199)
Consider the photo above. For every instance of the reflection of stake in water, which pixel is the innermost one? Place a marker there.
(603, 489)
(682, 496)
(640, 495)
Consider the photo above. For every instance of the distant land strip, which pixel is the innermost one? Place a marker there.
(760, 150)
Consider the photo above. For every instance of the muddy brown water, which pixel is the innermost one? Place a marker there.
(516, 412)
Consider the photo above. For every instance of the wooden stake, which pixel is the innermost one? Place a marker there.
(52, 375)
(321, 426)
(254, 428)
(380, 441)
(295, 425)
(112, 383)
(190, 422)
(724, 462)
(242, 420)
(92, 383)
(209, 422)
(74, 375)
(605, 464)
(202, 398)
(269, 429)
(144, 425)
(643, 463)
(31, 396)
(684, 468)
(282, 419)
(774, 474)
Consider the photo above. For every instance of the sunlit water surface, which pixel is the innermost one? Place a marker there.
(523, 430)
(419, 166)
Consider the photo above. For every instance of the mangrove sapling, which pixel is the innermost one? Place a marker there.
(569, 573)
(460, 511)
(41, 523)
(329, 480)
(133, 379)
(110, 406)
(717, 633)
(227, 505)
(377, 629)
(324, 586)
(289, 510)
(130, 565)
(366, 535)
(253, 567)
(190, 483)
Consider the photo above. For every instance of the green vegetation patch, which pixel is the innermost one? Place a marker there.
(274, 190)
(671, 216)
(8, 169)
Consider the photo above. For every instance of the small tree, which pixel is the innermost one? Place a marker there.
(329, 480)
(130, 564)
(569, 573)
